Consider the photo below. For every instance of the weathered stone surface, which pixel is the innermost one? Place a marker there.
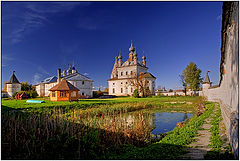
(227, 92)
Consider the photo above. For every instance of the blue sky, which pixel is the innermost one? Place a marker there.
(39, 37)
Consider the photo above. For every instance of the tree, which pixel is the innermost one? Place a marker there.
(170, 90)
(5, 86)
(140, 83)
(192, 76)
(182, 79)
(135, 93)
(26, 87)
(105, 90)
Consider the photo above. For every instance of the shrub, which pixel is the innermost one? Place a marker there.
(136, 93)
(97, 94)
(30, 94)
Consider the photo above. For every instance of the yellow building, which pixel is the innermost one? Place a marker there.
(64, 91)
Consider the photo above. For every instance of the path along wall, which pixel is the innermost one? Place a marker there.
(227, 92)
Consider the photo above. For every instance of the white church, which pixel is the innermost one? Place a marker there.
(125, 76)
(83, 83)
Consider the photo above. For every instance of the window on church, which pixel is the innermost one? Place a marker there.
(121, 82)
(131, 73)
(82, 82)
(113, 90)
(121, 73)
(121, 90)
(126, 73)
(83, 94)
(126, 82)
(113, 83)
(131, 89)
(53, 94)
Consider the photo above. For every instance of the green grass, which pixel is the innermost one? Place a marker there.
(46, 133)
(172, 145)
(100, 106)
(216, 142)
(93, 102)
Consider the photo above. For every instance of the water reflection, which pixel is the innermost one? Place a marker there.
(166, 121)
(138, 121)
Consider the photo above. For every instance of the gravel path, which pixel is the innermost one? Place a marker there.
(199, 148)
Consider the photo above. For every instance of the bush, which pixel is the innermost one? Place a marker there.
(30, 94)
(136, 93)
(97, 94)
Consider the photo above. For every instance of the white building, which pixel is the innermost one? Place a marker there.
(83, 83)
(125, 76)
(13, 85)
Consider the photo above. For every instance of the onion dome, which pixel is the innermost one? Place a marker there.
(131, 49)
(120, 56)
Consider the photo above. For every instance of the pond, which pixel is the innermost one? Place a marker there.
(142, 121)
(166, 121)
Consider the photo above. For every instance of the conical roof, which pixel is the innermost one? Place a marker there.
(207, 80)
(64, 86)
(13, 79)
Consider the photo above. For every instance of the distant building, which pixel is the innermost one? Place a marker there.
(123, 74)
(83, 83)
(13, 85)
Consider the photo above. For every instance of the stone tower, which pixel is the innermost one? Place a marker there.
(206, 84)
(13, 85)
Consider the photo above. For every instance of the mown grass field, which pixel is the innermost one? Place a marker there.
(55, 130)
(161, 101)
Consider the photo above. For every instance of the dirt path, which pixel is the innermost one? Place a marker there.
(199, 148)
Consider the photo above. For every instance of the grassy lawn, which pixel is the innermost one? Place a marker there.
(163, 101)
(56, 130)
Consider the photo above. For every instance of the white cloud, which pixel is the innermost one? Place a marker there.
(36, 78)
(6, 59)
(35, 15)
(42, 70)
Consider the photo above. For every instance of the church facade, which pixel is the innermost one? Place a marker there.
(130, 75)
(83, 83)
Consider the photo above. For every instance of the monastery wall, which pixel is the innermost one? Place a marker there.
(227, 92)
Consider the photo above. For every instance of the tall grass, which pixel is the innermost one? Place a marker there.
(55, 135)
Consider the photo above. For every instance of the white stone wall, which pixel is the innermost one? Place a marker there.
(123, 87)
(49, 86)
(122, 71)
(85, 87)
(12, 88)
(227, 94)
(151, 85)
(117, 85)
(38, 89)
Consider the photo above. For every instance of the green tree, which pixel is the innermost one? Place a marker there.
(192, 76)
(136, 93)
(182, 79)
(26, 87)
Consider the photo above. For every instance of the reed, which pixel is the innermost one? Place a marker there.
(31, 135)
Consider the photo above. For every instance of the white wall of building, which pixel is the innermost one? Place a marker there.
(12, 88)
